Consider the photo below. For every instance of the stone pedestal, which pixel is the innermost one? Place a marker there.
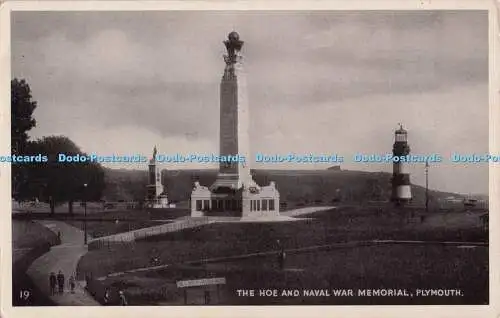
(254, 201)
(161, 202)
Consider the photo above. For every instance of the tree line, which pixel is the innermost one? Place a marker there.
(50, 182)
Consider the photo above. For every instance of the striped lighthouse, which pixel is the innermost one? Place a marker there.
(401, 189)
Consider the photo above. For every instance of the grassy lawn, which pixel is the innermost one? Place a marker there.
(146, 214)
(29, 234)
(132, 215)
(389, 266)
(29, 241)
(228, 239)
(105, 223)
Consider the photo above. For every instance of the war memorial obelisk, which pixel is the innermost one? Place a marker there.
(234, 192)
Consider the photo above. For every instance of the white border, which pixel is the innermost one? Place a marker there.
(493, 310)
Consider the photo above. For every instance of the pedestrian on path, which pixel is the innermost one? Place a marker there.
(123, 300)
(281, 254)
(52, 283)
(60, 282)
(207, 297)
(87, 281)
(106, 297)
(71, 282)
(282, 257)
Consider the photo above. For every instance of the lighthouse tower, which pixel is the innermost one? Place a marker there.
(401, 189)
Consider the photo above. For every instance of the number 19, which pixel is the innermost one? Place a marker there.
(24, 294)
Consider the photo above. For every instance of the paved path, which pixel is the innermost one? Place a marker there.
(305, 211)
(63, 257)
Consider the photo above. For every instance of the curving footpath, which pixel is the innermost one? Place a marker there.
(63, 258)
(306, 210)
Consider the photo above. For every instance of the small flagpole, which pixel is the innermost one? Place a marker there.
(427, 186)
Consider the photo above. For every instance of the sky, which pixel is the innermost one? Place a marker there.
(320, 82)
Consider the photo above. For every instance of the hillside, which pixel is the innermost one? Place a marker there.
(299, 186)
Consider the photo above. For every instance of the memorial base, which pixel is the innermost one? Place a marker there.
(244, 202)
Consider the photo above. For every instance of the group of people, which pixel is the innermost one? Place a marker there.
(121, 296)
(56, 283)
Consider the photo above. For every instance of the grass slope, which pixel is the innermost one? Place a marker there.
(227, 239)
(392, 266)
(30, 240)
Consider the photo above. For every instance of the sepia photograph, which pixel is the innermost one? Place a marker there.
(250, 158)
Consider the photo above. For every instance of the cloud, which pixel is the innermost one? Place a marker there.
(441, 123)
(317, 81)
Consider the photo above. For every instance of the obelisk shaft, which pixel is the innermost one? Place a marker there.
(234, 118)
(243, 124)
(234, 192)
(229, 120)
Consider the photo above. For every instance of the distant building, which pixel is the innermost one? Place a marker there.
(335, 168)
(468, 202)
(473, 202)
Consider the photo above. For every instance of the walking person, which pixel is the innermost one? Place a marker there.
(281, 254)
(106, 297)
(207, 297)
(87, 281)
(282, 257)
(72, 284)
(123, 300)
(60, 282)
(52, 283)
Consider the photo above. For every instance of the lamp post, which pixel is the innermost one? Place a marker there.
(427, 186)
(85, 213)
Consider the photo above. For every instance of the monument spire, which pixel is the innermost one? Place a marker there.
(233, 47)
(234, 190)
(234, 118)
(156, 196)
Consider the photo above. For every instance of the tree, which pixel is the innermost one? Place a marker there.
(22, 108)
(22, 121)
(137, 189)
(57, 182)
